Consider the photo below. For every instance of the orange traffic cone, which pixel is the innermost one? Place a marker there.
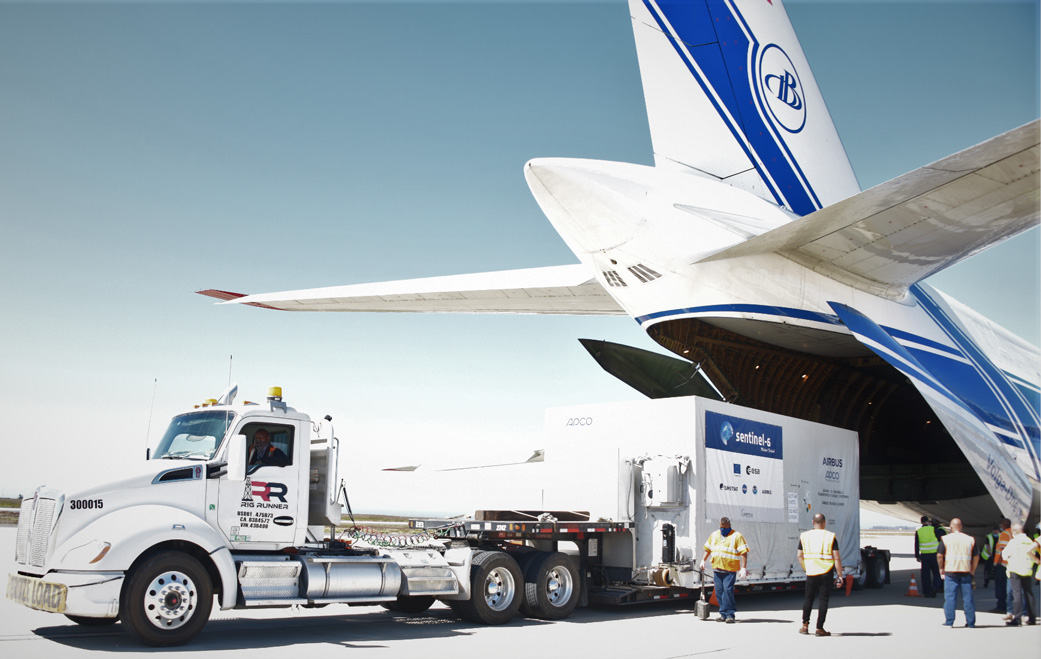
(912, 590)
(712, 598)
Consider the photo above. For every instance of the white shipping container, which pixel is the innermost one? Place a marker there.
(688, 461)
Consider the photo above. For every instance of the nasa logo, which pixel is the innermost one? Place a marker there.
(782, 89)
(726, 431)
(744, 489)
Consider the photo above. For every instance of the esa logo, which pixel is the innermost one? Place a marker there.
(579, 421)
(751, 471)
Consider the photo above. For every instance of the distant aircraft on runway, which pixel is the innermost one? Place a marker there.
(749, 250)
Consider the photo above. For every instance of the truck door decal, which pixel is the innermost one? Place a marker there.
(270, 490)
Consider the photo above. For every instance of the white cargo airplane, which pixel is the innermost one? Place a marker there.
(750, 250)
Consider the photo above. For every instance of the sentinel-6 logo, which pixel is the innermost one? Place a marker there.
(782, 89)
(726, 431)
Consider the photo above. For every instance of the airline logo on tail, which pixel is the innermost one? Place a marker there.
(783, 91)
(755, 88)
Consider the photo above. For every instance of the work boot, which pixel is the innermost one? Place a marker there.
(805, 629)
(821, 632)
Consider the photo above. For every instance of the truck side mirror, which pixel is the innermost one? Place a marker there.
(237, 458)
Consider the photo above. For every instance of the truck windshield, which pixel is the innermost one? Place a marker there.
(194, 436)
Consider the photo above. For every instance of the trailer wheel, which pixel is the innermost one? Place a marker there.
(551, 586)
(406, 604)
(92, 622)
(877, 572)
(167, 599)
(496, 584)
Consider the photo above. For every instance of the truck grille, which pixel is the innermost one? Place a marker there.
(35, 520)
(21, 546)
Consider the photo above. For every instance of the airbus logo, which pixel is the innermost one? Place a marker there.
(781, 89)
(726, 431)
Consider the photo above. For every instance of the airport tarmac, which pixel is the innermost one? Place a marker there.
(869, 623)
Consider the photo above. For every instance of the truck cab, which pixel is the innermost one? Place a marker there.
(207, 514)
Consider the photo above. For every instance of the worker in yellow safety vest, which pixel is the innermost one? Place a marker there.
(729, 559)
(818, 554)
(987, 554)
(1002, 587)
(926, 543)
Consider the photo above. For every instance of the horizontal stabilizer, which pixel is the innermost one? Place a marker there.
(228, 296)
(892, 236)
(538, 455)
(565, 290)
(652, 374)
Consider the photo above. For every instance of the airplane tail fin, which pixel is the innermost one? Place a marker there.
(730, 94)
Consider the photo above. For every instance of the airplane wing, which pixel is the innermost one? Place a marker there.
(887, 238)
(566, 290)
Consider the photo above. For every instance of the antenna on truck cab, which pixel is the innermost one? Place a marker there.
(148, 430)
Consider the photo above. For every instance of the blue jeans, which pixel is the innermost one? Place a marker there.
(1001, 588)
(953, 585)
(1008, 591)
(930, 575)
(723, 582)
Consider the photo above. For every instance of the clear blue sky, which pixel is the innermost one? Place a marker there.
(150, 150)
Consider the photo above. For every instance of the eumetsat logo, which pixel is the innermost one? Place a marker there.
(726, 431)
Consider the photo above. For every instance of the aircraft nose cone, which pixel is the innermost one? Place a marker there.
(592, 207)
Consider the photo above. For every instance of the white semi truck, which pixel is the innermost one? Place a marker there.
(154, 548)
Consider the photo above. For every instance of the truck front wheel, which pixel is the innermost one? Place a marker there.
(496, 584)
(167, 599)
(551, 586)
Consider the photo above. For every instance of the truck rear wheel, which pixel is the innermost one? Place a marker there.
(405, 604)
(877, 571)
(496, 584)
(167, 599)
(551, 586)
